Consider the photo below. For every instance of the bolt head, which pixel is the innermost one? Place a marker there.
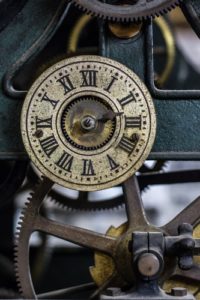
(148, 265)
(178, 291)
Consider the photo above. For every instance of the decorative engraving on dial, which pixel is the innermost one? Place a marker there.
(88, 123)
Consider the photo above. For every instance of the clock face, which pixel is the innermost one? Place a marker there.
(88, 123)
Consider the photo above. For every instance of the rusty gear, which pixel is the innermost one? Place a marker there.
(139, 10)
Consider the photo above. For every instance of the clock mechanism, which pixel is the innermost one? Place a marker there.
(88, 123)
(90, 116)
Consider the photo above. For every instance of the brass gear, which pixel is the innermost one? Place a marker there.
(89, 109)
(104, 268)
(112, 246)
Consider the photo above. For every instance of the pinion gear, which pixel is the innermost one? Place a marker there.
(139, 10)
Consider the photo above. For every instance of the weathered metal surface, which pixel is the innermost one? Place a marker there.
(19, 36)
(137, 10)
(177, 111)
(112, 245)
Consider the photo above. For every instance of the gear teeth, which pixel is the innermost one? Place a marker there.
(135, 18)
(17, 241)
(70, 106)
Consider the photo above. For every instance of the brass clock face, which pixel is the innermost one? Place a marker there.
(88, 123)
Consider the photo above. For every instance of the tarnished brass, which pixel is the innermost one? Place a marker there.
(125, 30)
(104, 267)
(73, 94)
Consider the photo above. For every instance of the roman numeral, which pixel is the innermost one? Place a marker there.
(66, 83)
(49, 145)
(43, 123)
(65, 162)
(127, 145)
(88, 169)
(133, 122)
(112, 163)
(111, 84)
(126, 100)
(89, 78)
(51, 101)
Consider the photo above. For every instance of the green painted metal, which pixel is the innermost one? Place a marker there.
(15, 40)
(178, 121)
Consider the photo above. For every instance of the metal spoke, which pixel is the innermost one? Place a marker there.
(68, 291)
(79, 236)
(134, 206)
(192, 274)
(189, 215)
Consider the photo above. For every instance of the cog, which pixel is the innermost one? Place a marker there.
(114, 244)
(113, 11)
(80, 138)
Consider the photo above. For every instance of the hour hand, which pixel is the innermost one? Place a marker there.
(109, 116)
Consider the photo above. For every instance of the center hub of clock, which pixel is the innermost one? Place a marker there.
(88, 123)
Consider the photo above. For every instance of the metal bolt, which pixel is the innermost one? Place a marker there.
(178, 291)
(148, 265)
(88, 123)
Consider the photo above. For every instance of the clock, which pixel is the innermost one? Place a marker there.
(88, 123)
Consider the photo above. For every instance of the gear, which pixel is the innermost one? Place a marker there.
(82, 123)
(139, 10)
(113, 245)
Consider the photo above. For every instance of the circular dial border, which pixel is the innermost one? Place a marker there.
(99, 93)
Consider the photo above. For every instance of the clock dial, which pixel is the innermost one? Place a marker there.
(88, 123)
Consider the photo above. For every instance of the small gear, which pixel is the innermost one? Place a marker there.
(82, 123)
(116, 11)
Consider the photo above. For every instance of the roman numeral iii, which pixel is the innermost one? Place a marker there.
(133, 122)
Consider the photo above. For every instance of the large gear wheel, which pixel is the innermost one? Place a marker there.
(139, 10)
(115, 246)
